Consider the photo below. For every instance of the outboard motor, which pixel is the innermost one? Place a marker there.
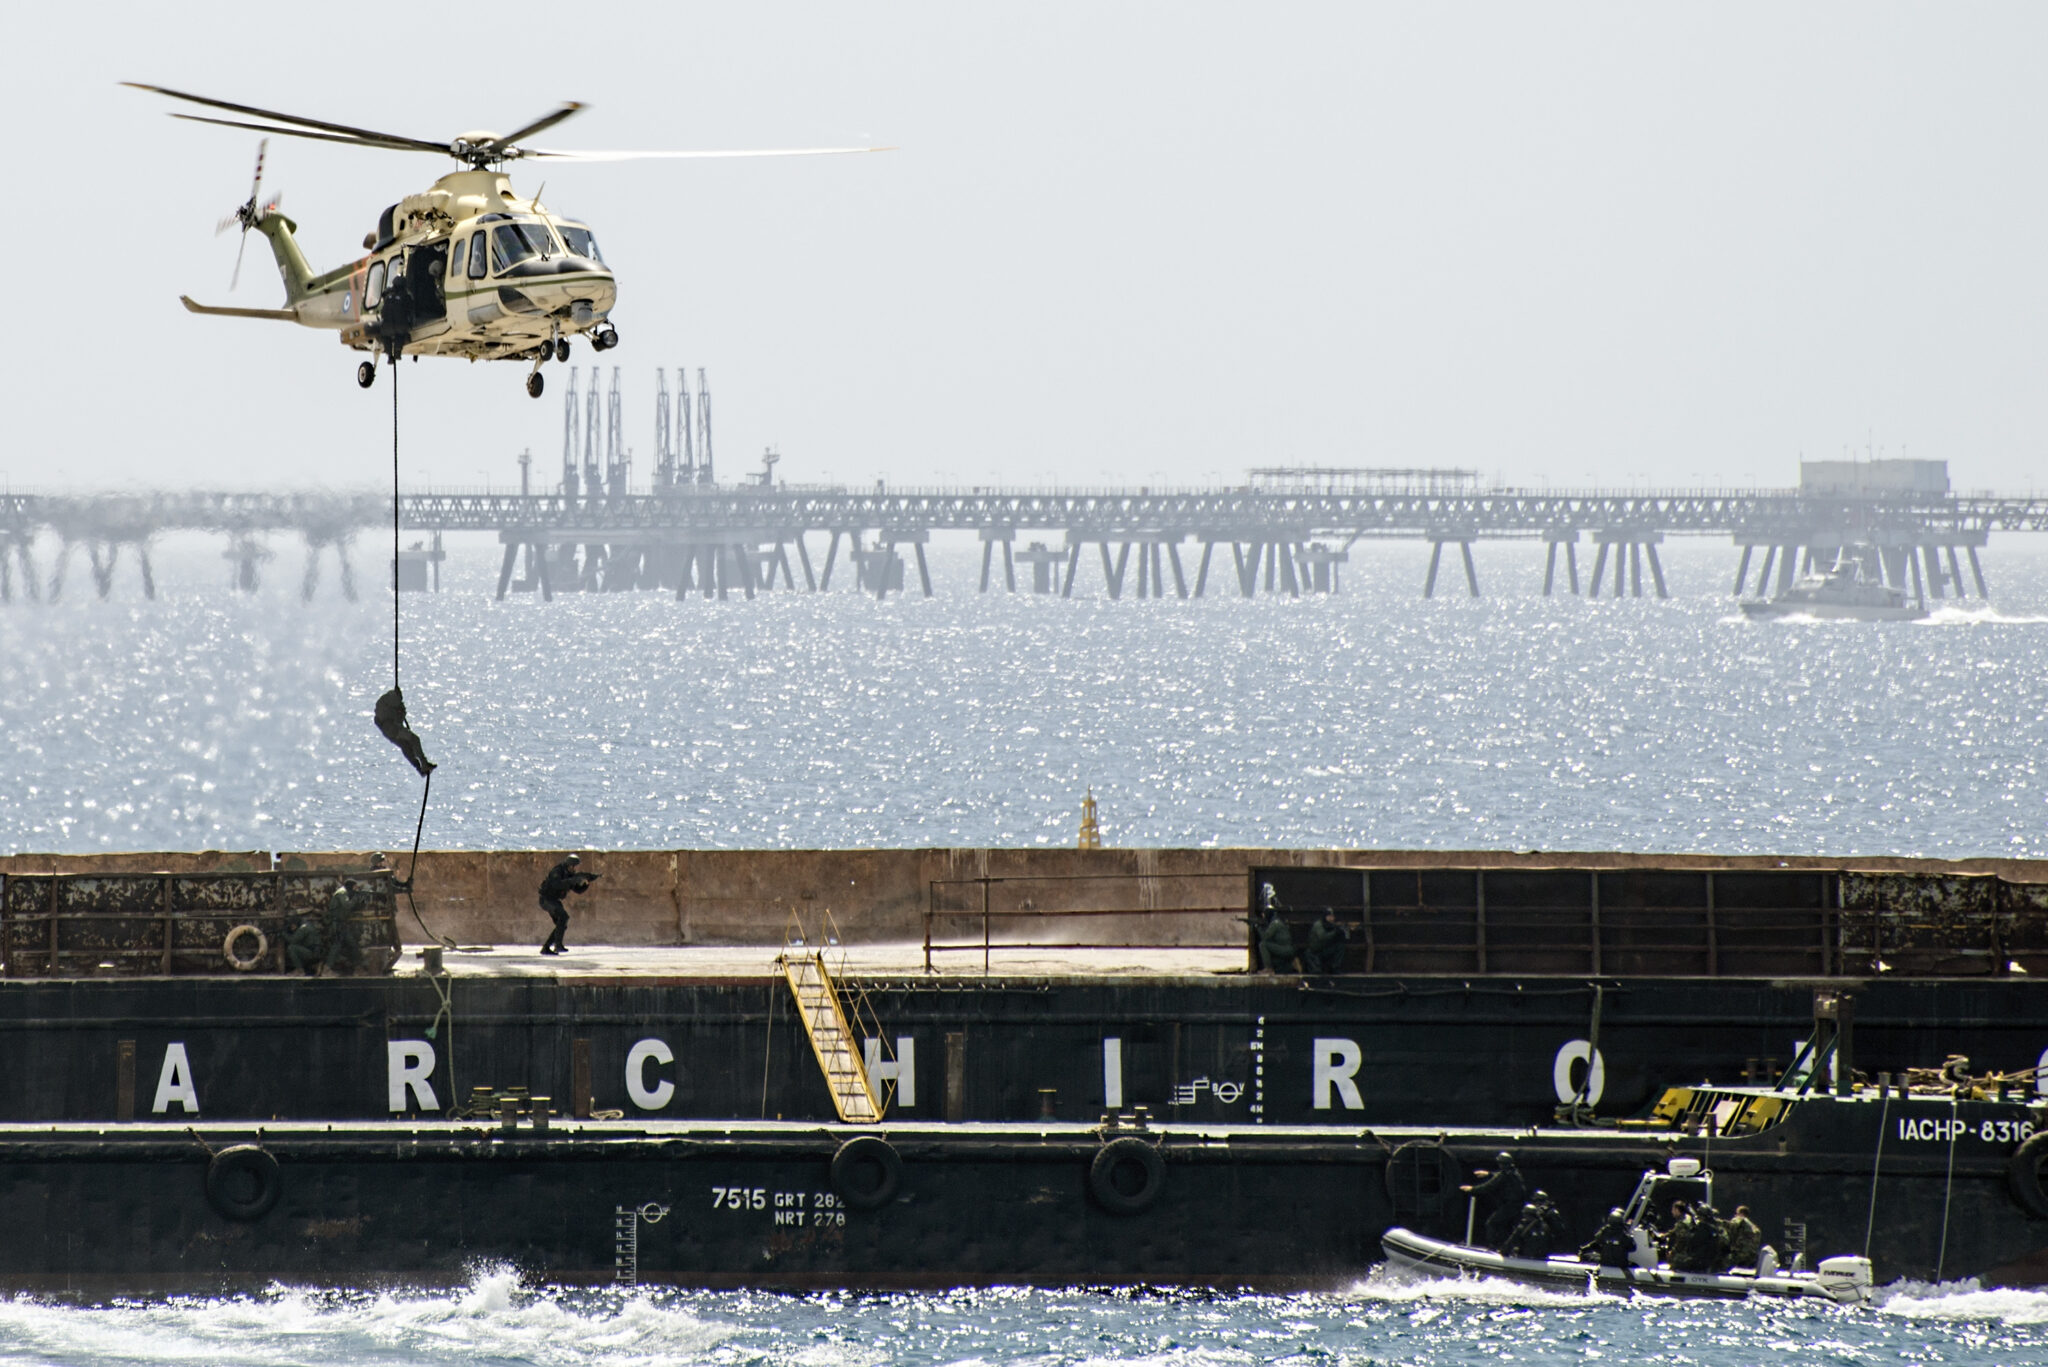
(1846, 1278)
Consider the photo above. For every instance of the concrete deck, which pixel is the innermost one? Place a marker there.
(759, 961)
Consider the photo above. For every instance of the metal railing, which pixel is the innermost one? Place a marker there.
(1212, 512)
(982, 908)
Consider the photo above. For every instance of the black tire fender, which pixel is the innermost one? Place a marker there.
(866, 1172)
(2023, 1175)
(1109, 1170)
(242, 1182)
(255, 958)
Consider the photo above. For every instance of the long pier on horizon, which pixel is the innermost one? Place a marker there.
(1282, 532)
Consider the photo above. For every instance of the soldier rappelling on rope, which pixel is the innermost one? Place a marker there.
(390, 718)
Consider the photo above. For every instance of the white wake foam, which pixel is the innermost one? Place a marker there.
(490, 1320)
(1964, 1300)
(1385, 1283)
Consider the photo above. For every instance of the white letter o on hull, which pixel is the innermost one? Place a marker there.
(1579, 1051)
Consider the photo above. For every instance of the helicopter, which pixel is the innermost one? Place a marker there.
(464, 268)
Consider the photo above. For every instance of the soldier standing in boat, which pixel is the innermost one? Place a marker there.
(1745, 1240)
(1667, 1230)
(1500, 1195)
(1698, 1243)
(1613, 1244)
(1539, 1231)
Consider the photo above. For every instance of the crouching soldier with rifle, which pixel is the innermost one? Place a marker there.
(303, 948)
(563, 879)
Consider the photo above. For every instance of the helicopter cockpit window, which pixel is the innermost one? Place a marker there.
(373, 288)
(455, 258)
(476, 257)
(512, 243)
(581, 241)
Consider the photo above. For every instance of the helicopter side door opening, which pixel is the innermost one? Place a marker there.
(423, 269)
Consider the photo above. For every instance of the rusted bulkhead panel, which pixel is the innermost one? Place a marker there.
(1946, 924)
(108, 924)
(1664, 922)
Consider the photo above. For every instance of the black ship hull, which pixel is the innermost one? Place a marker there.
(149, 1209)
(1242, 1049)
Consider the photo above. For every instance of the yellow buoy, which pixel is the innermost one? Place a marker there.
(1091, 829)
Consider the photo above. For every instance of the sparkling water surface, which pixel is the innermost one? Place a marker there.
(1382, 1320)
(1371, 718)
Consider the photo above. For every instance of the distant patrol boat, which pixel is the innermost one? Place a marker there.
(1839, 592)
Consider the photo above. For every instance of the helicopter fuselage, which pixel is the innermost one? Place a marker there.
(465, 269)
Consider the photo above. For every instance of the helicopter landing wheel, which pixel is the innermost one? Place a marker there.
(534, 384)
(561, 348)
(366, 374)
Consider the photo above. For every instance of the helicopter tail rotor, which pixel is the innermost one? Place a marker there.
(249, 214)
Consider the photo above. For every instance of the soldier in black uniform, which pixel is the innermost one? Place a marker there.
(1612, 1244)
(563, 879)
(1500, 1199)
(1540, 1230)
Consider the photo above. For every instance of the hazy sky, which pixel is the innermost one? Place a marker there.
(1120, 243)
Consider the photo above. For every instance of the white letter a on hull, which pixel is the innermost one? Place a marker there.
(174, 1083)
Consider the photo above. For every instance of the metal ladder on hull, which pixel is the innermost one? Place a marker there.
(832, 1041)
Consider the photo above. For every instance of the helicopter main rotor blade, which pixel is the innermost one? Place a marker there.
(351, 133)
(537, 126)
(383, 144)
(537, 152)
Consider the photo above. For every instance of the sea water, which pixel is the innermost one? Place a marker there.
(1370, 718)
(1380, 1320)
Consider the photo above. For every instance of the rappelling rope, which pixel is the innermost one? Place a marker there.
(1870, 1225)
(427, 785)
(444, 988)
(1948, 1191)
(394, 518)
(426, 790)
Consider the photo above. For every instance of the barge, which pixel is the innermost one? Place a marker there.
(1834, 1040)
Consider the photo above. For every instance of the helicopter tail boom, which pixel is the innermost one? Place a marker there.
(291, 262)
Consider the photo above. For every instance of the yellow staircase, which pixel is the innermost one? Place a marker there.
(832, 1038)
